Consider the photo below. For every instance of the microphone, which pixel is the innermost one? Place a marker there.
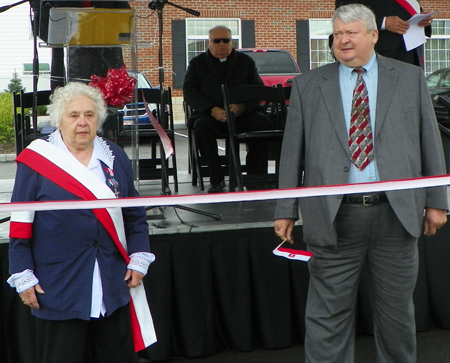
(155, 5)
(4, 8)
(7, 7)
(192, 12)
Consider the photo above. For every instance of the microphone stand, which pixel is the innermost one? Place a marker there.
(35, 70)
(158, 6)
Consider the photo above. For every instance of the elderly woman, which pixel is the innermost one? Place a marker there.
(77, 268)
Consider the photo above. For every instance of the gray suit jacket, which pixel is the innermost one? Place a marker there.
(407, 145)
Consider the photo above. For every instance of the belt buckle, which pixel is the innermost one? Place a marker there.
(368, 200)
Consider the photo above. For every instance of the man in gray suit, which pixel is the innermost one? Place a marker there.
(380, 229)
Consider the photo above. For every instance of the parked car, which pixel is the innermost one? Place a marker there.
(439, 85)
(274, 65)
(129, 111)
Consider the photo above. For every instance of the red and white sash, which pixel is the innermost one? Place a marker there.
(165, 139)
(411, 6)
(48, 160)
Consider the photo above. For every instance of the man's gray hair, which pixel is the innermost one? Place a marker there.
(219, 27)
(64, 95)
(356, 12)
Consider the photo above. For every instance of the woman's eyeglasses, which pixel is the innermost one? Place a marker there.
(218, 40)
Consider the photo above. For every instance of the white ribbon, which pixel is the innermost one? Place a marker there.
(303, 192)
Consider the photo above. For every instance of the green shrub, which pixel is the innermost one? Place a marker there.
(41, 110)
(6, 118)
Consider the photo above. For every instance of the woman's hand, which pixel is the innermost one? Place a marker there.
(134, 278)
(29, 296)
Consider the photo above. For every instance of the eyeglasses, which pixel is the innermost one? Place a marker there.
(224, 40)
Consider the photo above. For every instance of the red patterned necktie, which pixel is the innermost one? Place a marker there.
(360, 141)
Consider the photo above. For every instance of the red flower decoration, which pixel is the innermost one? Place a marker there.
(117, 87)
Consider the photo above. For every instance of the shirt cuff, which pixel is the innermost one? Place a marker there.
(140, 261)
(23, 280)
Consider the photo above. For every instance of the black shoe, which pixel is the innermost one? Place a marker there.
(219, 188)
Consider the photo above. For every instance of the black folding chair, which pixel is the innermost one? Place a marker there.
(156, 166)
(26, 130)
(197, 165)
(273, 103)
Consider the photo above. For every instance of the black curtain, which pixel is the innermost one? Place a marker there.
(225, 289)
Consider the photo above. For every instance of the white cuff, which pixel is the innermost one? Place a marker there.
(140, 261)
(383, 24)
(23, 280)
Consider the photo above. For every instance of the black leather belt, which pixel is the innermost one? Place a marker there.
(367, 200)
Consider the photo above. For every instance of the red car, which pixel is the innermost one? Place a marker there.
(274, 65)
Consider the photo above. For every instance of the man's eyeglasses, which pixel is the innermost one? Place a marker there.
(224, 40)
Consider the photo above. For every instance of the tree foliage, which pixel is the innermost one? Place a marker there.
(6, 118)
(15, 84)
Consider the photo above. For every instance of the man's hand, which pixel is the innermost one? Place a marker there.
(237, 108)
(284, 229)
(426, 21)
(134, 278)
(396, 25)
(29, 297)
(219, 114)
(434, 219)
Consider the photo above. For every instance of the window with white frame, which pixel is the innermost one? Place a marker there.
(319, 31)
(197, 34)
(437, 49)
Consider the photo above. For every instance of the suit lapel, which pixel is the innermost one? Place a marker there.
(232, 65)
(212, 65)
(387, 82)
(331, 94)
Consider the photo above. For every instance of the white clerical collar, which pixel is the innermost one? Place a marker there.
(223, 59)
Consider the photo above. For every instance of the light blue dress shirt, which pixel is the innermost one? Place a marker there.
(347, 82)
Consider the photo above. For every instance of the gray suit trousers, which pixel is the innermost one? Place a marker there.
(375, 236)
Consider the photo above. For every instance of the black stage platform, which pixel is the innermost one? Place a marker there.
(217, 285)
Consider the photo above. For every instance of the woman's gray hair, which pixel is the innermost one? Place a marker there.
(356, 12)
(62, 96)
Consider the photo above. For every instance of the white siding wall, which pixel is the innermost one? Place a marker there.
(16, 46)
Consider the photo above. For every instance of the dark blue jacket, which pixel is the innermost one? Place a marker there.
(65, 244)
